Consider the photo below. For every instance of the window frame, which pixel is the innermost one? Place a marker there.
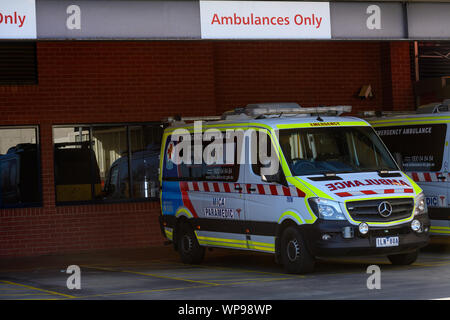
(40, 202)
(236, 170)
(91, 126)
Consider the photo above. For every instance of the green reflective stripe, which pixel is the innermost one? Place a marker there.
(183, 210)
(231, 243)
(220, 239)
(263, 248)
(439, 231)
(317, 191)
(282, 159)
(223, 244)
(261, 244)
(308, 194)
(291, 214)
(169, 234)
(415, 186)
(381, 223)
(325, 124)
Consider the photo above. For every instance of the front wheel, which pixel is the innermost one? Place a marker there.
(190, 250)
(294, 254)
(404, 258)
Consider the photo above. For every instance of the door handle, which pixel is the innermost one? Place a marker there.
(441, 177)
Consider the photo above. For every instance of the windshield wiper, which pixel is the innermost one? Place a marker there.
(327, 176)
(387, 173)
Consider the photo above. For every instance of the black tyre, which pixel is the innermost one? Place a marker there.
(404, 258)
(188, 247)
(295, 257)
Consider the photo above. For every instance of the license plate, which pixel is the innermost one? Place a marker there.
(387, 242)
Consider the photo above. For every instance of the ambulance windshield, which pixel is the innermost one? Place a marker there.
(334, 150)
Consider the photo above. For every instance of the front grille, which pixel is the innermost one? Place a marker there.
(367, 210)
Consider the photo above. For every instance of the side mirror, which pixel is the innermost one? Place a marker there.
(399, 159)
(275, 178)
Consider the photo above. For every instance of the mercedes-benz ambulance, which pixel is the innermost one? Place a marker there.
(296, 182)
(419, 142)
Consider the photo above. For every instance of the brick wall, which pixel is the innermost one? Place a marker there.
(99, 82)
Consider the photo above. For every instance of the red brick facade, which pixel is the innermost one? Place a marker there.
(98, 82)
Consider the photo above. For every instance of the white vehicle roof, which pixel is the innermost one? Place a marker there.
(426, 114)
(280, 116)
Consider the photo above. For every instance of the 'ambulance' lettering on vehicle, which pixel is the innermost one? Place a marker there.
(368, 182)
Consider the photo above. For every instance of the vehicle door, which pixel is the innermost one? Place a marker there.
(222, 192)
(264, 201)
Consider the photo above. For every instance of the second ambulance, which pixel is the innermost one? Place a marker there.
(419, 142)
(337, 190)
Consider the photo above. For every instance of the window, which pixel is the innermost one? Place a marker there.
(106, 162)
(213, 166)
(18, 63)
(334, 150)
(421, 147)
(20, 184)
(262, 157)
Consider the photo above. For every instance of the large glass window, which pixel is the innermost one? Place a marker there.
(420, 147)
(19, 167)
(334, 150)
(106, 162)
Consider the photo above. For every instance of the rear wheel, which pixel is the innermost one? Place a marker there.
(404, 258)
(190, 250)
(293, 252)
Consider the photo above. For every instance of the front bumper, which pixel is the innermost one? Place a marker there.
(337, 245)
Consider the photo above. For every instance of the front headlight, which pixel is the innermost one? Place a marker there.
(420, 204)
(326, 209)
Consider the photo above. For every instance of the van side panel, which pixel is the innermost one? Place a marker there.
(171, 198)
(423, 148)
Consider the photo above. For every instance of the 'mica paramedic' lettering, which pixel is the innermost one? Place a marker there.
(15, 18)
(367, 182)
(252, 19)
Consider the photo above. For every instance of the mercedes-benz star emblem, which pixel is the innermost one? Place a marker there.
(385, 209)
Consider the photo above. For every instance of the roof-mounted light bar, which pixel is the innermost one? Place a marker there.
(176, 120)
(259, 110)
(262, 110)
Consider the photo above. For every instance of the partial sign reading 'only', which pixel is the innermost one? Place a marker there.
(17, 19)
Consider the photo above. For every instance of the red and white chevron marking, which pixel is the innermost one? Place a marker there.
(229, 187)
(371, 192)
(427, 176)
